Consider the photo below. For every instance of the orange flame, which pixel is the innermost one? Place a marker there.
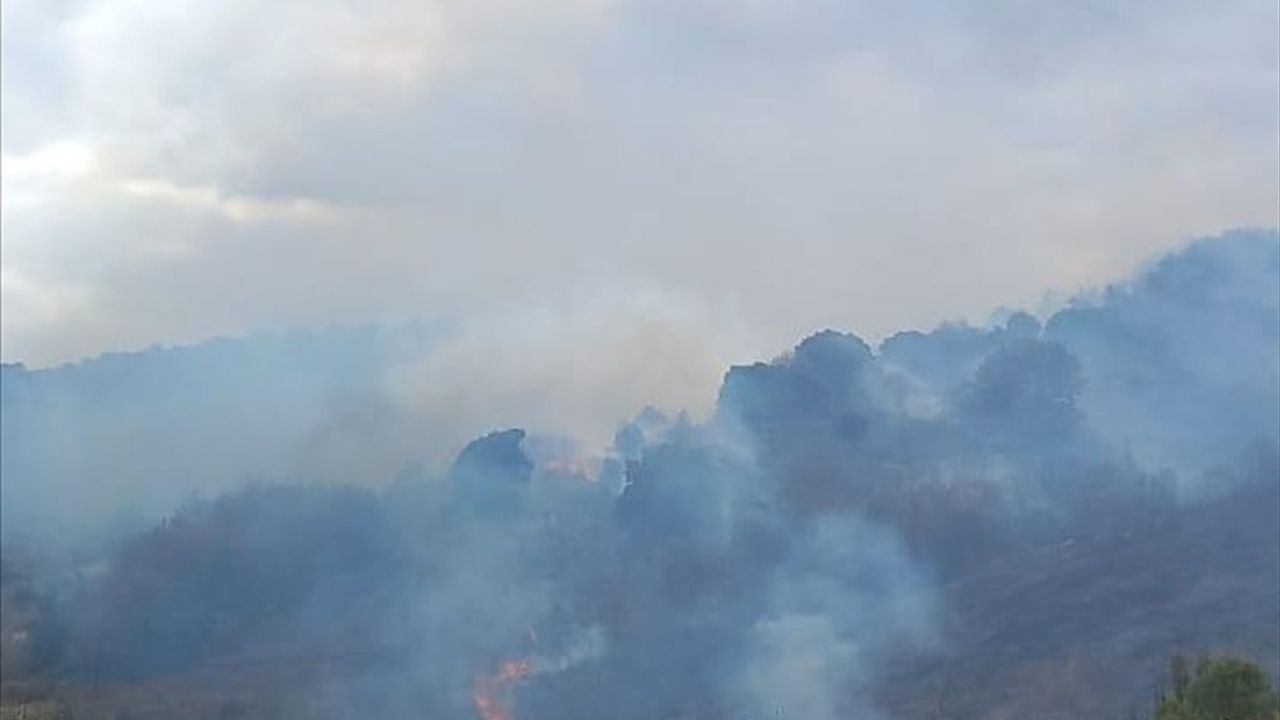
(487, 695)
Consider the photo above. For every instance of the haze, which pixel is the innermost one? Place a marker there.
(734, 174)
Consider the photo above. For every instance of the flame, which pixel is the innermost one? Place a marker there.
(487, 695)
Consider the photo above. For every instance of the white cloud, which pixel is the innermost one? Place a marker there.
(66, 159)
(238, 209)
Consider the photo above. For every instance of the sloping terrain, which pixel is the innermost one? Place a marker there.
(1021, 521)
(1086, 627)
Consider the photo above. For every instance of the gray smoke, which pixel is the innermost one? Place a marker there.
(766, 562)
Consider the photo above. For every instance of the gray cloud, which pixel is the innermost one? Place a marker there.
(175, 172)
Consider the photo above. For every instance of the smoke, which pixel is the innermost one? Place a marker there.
(1183, 364)
(767, 561)
(573, 370)
(797, 666)
(348, 405)
(848, 595)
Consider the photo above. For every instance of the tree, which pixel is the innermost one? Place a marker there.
(1223, 689)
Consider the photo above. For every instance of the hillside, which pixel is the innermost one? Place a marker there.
(1023, 520)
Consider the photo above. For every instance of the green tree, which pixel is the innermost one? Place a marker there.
(1223, 689)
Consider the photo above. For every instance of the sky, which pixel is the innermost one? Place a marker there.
(658, 188)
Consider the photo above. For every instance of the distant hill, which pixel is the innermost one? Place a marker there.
(1024, 520)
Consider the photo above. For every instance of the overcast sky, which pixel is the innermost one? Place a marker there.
(605, 177)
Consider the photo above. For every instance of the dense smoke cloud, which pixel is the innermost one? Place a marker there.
(778, 559)
(174, 173)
